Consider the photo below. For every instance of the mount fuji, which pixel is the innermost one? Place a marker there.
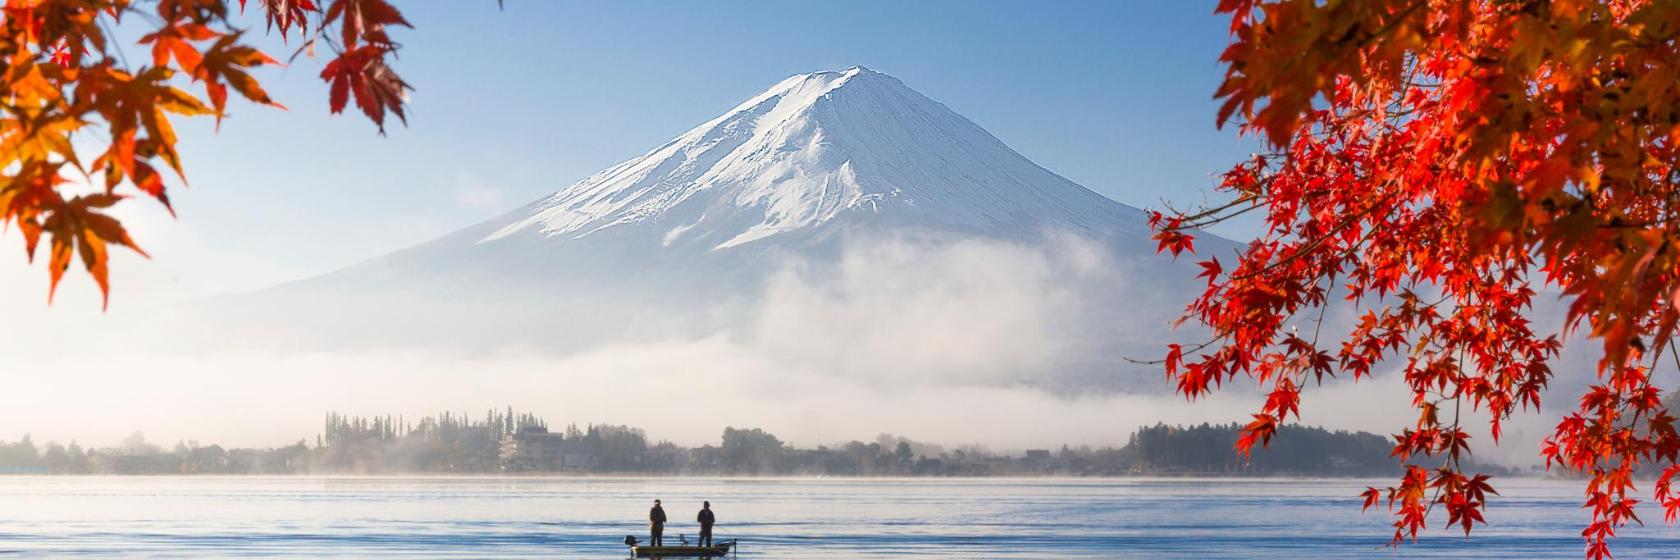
(813, 150)
(809, 182)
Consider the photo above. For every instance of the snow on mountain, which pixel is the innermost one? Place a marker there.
(814, 148)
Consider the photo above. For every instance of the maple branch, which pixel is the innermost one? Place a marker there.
(1393, 23)
(1188, 351)
(1218, 219)
(1316, 241)
(1318, 325)
(115, 45)
(1674, 353)
(1210, 211)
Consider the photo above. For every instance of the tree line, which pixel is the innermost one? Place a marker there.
(462, 444)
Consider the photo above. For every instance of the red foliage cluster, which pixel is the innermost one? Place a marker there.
(1432, 162)
(62, 76)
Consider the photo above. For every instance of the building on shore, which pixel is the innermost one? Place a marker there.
(533, 448)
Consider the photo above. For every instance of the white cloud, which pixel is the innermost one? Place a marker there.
(902, 309)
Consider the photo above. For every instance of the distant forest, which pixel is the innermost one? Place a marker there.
(450, 443)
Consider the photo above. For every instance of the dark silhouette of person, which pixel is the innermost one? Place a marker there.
(656, 524)
(706, 520)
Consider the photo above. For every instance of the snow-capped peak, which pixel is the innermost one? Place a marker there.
(813, 148)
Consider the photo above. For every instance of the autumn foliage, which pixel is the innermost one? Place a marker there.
(1433, 164)
(77, 107)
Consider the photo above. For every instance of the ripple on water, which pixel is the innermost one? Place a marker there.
(188, 517)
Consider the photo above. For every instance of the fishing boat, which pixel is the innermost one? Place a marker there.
(683, 551)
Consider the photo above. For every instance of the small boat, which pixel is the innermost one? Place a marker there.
(719, 549)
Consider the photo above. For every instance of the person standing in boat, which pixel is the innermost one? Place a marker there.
(706, 520)
(656, 524)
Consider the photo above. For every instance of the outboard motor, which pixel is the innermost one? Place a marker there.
(630, 540)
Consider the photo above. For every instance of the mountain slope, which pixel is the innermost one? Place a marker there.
(844, 202)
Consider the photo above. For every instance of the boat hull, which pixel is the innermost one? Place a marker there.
(721, 549)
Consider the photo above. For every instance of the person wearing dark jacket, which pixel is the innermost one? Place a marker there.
(706, 520)
(656, 524)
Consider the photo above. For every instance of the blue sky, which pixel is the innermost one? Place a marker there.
(515, 103)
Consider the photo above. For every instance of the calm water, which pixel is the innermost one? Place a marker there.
(587, 518)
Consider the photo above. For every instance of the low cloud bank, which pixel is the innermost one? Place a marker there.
(904, 311)
(954, 341)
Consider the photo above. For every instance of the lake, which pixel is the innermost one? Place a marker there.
(196, 517)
